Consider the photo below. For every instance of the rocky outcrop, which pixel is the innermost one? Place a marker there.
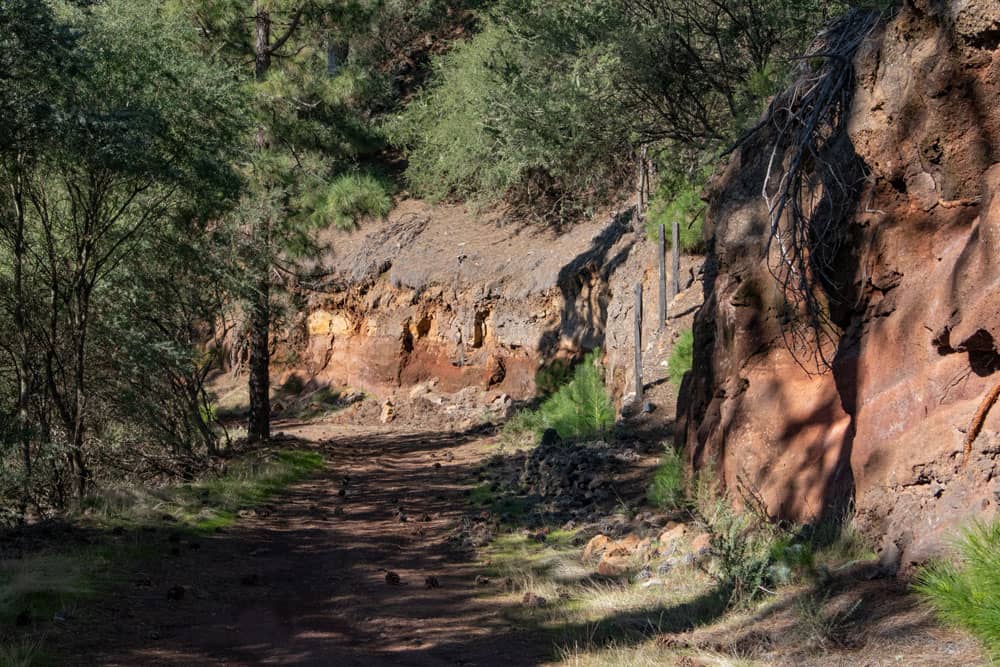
(913, 306)
(438, 293)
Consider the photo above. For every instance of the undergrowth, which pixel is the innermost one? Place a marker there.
(211, 502)
(667, 488)
(966, 594)
(678, 202)
(681, 357)
(578, 409)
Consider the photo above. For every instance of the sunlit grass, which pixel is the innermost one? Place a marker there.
(209, 503)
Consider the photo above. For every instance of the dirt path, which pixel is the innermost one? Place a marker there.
(304, 582)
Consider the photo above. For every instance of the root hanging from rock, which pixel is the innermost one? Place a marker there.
(812, 182)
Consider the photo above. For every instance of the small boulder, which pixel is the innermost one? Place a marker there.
(701, 544)
(612, 566)
(673, 533)
(597, 545)
(630, 543)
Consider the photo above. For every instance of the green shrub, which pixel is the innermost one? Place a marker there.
(293, 385)
(349, 198)
(681, 357)
(967, 594)
(667, 488)
(506, 116)
(681, 204)
(579, 409)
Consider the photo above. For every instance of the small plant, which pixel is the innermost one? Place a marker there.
(23, 653)
(825, 630)
(681, 358)
(293, 385)
(667, 488)
(579, 409)
(744, 543)
(965, 594)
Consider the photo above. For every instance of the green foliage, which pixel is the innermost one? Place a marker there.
(965, 594)
(577, 410)
(495, 121)
(551, 377)
(667, 490)
(351, 197)
(680, 203)
(681, 357)
(550, 100)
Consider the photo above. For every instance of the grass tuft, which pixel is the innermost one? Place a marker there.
(351, 197)
(966, 594)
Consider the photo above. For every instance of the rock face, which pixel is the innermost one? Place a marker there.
(915, 304)
(439, 293)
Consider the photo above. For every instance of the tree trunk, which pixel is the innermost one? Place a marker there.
(21, 327)
(259, 422)
(259, 427)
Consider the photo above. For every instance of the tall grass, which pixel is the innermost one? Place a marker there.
(579, 409)
(967, 594)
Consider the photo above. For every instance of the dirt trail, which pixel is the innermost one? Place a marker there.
(304, 583)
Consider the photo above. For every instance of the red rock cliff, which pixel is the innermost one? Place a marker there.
(913, 298)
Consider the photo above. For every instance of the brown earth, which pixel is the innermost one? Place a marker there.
(915, 307)
(304, 581)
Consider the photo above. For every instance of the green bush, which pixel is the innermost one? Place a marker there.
(505, 116)
(667, 488)
(967, 594)
(683, 206)
(349, 198)
(681, 357)
(579, 409)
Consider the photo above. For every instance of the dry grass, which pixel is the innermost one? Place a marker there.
(837, 615)
(646, 654)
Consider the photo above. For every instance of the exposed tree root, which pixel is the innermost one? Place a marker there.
(812, 184)
(977, 422)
